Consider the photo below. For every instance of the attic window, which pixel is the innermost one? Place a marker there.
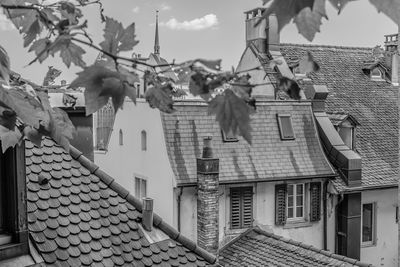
(297, 73)
(229, 137)
(285, 126)
(376, 74)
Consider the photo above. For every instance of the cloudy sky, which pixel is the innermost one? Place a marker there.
(202, 29)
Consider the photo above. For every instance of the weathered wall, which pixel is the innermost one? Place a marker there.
(264, 216)
(126, 161)
(384, 252)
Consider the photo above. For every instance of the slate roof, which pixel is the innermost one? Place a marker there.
(257, 248)
(81, 217)
(267, 159)
(372, 103)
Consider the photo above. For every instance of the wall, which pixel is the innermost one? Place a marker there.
(384, 252)
(264, 215)
(126, 161)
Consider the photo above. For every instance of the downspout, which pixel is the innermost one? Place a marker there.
(325, 222)
(341, 198)
(179, 208)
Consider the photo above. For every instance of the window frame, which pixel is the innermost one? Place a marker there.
(279, 119)
(229, 138)
(339, 128)
(138, 179)
(371, 242)
(376, 77)
(296, 218)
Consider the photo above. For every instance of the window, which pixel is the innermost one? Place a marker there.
(121, 137)
(241, 207)
(293, 201)
(140, 187)
(368, 224)
(230, 137)
(346, 133)
(297, 73)
(376, 74)
(144, 140)
(104, 122)
(285, 126)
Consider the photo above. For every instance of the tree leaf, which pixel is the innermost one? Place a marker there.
(160, 97)
(232, 114)
(286, 10)
(308, 23)
(307, 64)
(290, 87)
(70, 12)
(4, 65)
(390, 7)
(128, 40)
(40, 48)
(9, 138)
(61, 128)
(33, 135)
(72, 53)
(100, 84)
(34, 30)
(339, 4)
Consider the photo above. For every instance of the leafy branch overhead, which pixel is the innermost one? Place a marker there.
(59, 28)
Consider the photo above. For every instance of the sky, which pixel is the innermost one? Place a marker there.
(209, 29)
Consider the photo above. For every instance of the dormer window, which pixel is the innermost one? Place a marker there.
(345, 125)
(229, 137)
(298, 74)
(347, 134)
(376, 74)
(285, 126)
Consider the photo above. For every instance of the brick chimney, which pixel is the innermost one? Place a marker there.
(263, 34)
(207, 199)
(392, 51)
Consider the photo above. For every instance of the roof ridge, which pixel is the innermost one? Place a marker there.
(328, 46)
(310, 247)
(122, 192)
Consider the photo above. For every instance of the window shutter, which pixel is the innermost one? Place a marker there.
(235, 208)
(241, 207)
(280, 204)
(315, 201)
(247, 207)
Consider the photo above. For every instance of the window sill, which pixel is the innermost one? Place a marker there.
(298, 224)
(369, 244)
(100, 151)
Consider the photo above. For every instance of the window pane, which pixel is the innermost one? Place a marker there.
(299, 190)
(290, 189)
(137, 187)
(346, 134)
(290, 201)
(299, 200)
(290, 212)
(286, 127)
(143, 188)
(367, 221)
(299, 212)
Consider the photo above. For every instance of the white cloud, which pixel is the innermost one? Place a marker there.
(135, 9)
(165, 7)
(208, 21)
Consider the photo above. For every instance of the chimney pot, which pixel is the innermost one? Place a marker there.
(207, 148)
(147, 213)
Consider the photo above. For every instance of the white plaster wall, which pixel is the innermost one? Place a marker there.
(384, 252)
(126, 161)
(331, 222)
(264, 215)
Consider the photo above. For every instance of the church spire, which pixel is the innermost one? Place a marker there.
(157, 42)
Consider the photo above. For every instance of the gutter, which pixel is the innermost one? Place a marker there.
(179, 208)
(325, 218)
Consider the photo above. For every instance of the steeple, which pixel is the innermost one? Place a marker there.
(157, 42)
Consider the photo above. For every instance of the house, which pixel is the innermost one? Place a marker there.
(256, 247)
(74, 214)
(363, 106)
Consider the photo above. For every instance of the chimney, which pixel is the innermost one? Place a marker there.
(392, 55)
(208, 199)
(147, 214)
(263, 34)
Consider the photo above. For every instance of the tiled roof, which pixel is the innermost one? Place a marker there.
(257, 248)
(81, 217)
(267, 159)
(372, 103)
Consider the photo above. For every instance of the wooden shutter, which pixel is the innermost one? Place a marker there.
(315, 201)
(280, 204)
(241, 207)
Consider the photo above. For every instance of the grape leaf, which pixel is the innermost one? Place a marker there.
(33, 135)
(339, 4)
(160, 97)
(70, 12)
(8, 117)
(116, 38)
(69, 52)
(61, 128)
(34, 30)
(308, 23)
(9, 138)
(4, 65)
(390, 7)
(40, 47)
(285, 10)
(307, 64)
(290, 87)
(232, 114)
(203, 84)
(100, 84)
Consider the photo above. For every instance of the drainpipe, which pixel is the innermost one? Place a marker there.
(325, 215)
(179, 207)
